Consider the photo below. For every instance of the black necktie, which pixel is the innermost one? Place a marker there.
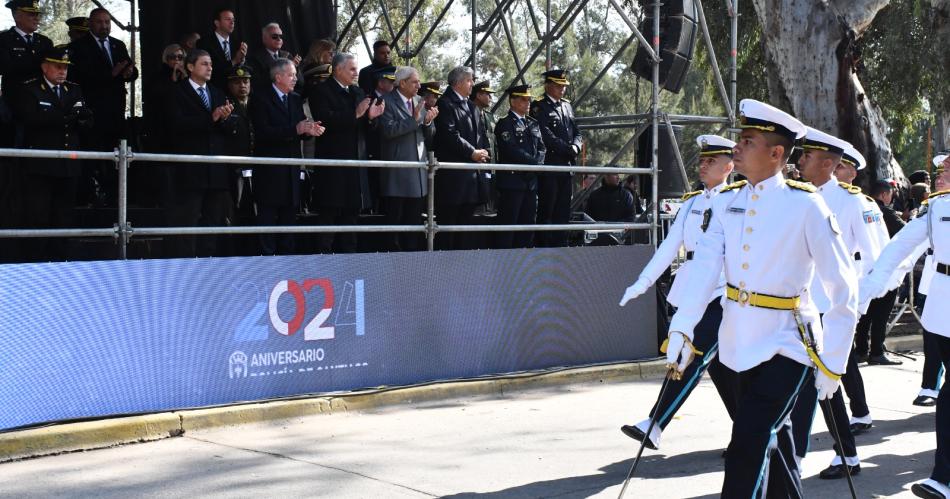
(29, 40)
(227, 49)
(105, 50)
(283, 99)
(58, 91)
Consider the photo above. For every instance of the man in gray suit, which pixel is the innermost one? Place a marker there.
(404, 128)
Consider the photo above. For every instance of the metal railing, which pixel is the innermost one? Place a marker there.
(123, 231)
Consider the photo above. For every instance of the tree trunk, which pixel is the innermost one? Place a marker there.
(808, 49)
(941, 26)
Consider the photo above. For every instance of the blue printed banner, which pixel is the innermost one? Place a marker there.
(92, 339)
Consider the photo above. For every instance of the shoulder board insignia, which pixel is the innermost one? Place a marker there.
(540, 99)
(869, 198)
(67, 82)
(801, 186)
(565, 100)
(853, 189)
(689, 195)
(734, 185)
(31, 80)
(938, 193)
(922, 212)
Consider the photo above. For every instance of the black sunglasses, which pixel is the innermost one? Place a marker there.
(276, 37)
(177, 57)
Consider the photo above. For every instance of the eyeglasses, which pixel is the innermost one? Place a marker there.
(177, 57)
(275, 36)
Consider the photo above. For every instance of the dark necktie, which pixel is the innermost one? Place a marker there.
(283, 100)
(204, 98)
(105, 50)
(227, 49)
(58, 91)
(29, 40)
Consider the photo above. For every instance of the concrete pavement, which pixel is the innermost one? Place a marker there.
(553, 441)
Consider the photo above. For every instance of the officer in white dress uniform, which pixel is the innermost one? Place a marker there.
(714, 168)
(821, 157)
(770, 235)
(932, 229)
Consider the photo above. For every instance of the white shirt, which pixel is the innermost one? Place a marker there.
(197, 86)
(859, 230)
(929, 231)
(23, 34)
(686, 231)
(280, 95)
(770, 238)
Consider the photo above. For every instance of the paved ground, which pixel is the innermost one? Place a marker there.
(562, 442)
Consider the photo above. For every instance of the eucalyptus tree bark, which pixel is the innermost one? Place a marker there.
(808, 48)
(941, 25)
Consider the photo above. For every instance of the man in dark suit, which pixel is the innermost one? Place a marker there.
(51, 111)
(405, 128)
(279, 126)
(382, 57)
(262, 59)
(224, 49)
(563, 141)
(199, 122)
(460, 138)
(103, 67)
(341, 192)
(21, 46)
(519, 141)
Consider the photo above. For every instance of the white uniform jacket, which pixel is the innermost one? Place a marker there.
(770, 238)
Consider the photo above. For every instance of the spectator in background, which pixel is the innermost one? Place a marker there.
(918, 194)
(311, 69)
(78, 27)
(631, 185)
(382, 57)
(224, 49)
(461, 137)
(51, 111)
(482, 96)
(279, 126)
(189, 41)
(262, 59)
(199, 122)
(103, 67)
(919, 177)
(404, 127)
(157, 88)
(875, 320)
(21, 47)
(519, 142)
(610, 202)
(342, 193)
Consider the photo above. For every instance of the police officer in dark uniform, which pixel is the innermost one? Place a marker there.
(78, 27)
(563, 142)
(518, 139)
(241, 143)
(51, 111)
(21, 46)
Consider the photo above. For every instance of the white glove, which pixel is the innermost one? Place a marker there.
(679, 352)
(634, 290)
(825, 385)
(866, 293)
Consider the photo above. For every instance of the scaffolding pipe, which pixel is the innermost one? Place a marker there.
(733, 57)
(711, 51)
(655, 111)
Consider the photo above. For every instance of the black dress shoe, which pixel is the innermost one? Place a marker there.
(836, 471)
(924, 490)
(925, 401)
(883, 360)
(637, 434)
(859, 428)
(860, 358)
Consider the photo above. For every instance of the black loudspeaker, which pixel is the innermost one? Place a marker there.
(678, 33)
(670, 181)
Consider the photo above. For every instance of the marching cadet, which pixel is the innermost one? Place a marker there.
(52, 111)
(770, 235)
(932, 229)
(519, 141)
(563, 141)
(691, 221)
(817, 164)
(21, 46)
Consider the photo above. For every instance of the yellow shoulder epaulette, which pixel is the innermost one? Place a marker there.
(734, 185)
(690, 195)
(801, 186)
(853, 189)
(935, 194)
